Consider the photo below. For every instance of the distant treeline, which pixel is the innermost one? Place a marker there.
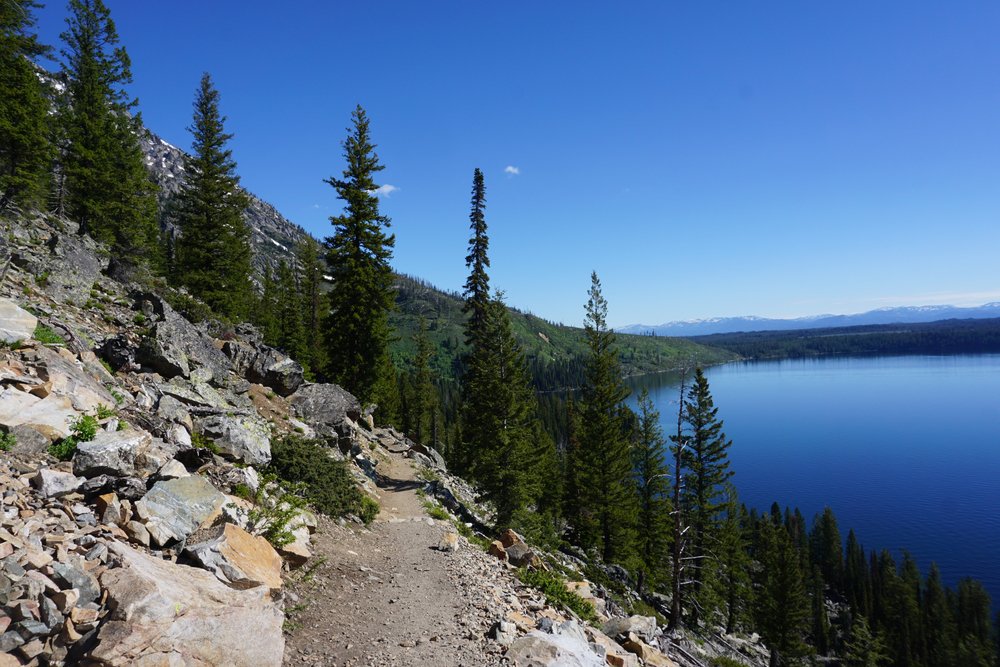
(944, 337)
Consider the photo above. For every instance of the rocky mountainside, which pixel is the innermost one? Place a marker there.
(136, 509)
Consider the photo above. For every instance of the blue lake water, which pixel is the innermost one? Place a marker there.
(904, 450)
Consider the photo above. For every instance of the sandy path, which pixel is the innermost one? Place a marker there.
(387, 596)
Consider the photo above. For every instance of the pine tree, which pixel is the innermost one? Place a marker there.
(652, 484)
(291, 336)
(826, 548)
(423, 386)
(857, 580)
(357, 330)
(679, 537)
(500, 417)
(820, 619)
(213, 251)
(606, 471)
(864, 649)
(108, 189)
(477, 286)
(310, 276)
(706, 460)
(938, 621)
(25, 151)
(782, 604)
(732, 583)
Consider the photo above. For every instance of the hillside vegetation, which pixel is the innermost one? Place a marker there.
(555, 352)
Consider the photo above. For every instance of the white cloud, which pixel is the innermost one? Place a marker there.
(385, 190)
(511, 170)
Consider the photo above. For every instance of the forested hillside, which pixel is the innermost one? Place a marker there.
(555, 352)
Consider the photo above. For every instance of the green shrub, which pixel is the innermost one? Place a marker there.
(140, 319)
(7, 442)
(117, 395)
(369, 509)
(199, 441)
(276, 504)
(47, 336)
(435, 511)
(82, 429)
(723, 661)
(328, 485)
(103, 411)
(63, 449)
(554, 588)
(42, 279)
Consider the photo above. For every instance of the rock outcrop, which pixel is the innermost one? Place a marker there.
(16, 324)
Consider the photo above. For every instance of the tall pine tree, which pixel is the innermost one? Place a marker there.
(25, 151)
(357, 331)
(108, 189)
(605, 473)
(477, 286)
(213, 253)
(706, 460)
(783, 612)
(652, 484)
(310, 276)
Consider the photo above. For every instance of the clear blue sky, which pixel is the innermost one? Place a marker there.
(706, 158)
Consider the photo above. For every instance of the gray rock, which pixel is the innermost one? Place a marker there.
(246, 439)
(241, 355)
(53, 483)
(118, 453)
(176, 347)
(73, 266)
(503, 632)
(323, 406)
(537, 649)
(16, 324)
(164, 613)
(172, 470)
(28, 440)
(173, 509)
(9, 641)
(642, 626)
(273, 369)
(174, 411)
(71, 577)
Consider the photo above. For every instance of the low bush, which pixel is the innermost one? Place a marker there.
(7, 442)
(329, 487)
(47, 336)
(554, 588)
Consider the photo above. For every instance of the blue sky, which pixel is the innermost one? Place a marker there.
(706, 158)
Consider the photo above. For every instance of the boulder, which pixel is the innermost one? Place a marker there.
(245, 439)
(54, 483)
(323, 406)
(168, 614)
(273, 369)
(175, 508)
(49, 416)
(537, 649)
(236, 557)
(643, 627)
(297, 551)
(175, 347)
(16, 324)
(65, 375)
(116, 453)
(497, 550)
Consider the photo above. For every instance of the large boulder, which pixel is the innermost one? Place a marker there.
(16, 324)
(175, 508)
(245, 438)
(168, 614)
(236, 557)
(65, 375)
(116, 453)
(273, 369)
(324, 406)
(49, 416)
(537, 649)
(643, 627)
(175, 347)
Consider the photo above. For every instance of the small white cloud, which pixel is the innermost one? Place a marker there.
(316, 206)
(385, 190)
(511, 170)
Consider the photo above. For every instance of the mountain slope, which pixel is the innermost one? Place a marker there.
(900, 315)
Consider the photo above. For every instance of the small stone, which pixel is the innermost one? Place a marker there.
(31, 650)
(66, 600)
(53, 483)
(9, 641)
(82, 615)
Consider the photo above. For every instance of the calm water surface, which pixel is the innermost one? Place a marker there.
(905, 450)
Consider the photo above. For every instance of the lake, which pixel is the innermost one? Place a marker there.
(904, 450)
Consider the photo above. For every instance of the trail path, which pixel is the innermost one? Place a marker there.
(388, 597)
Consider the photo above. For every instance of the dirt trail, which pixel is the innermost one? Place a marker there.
(386, 596)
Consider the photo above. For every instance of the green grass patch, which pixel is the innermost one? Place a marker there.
(723, 661)
(554, 588)
(435, 511)
(47, 336)
(7, 442)
(83, 429)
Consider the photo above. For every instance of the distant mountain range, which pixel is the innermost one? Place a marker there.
(901, 315)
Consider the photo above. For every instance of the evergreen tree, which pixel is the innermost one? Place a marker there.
(25, 151)
(477, 286)
(864, 649)
(820, 619)
(938, 622)
(856, 578)
(266, 312)
(423, 386)
(213, 251)
(782, 604)
(706, 460)
(108, 189)
(652, 484)
(606, 472)
(826, 549)
(307, 255)
(733, 585)
(679, 537)
(500, 418)
(357, 331)
(291, 337)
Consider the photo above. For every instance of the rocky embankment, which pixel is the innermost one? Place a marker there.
(132, 519)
